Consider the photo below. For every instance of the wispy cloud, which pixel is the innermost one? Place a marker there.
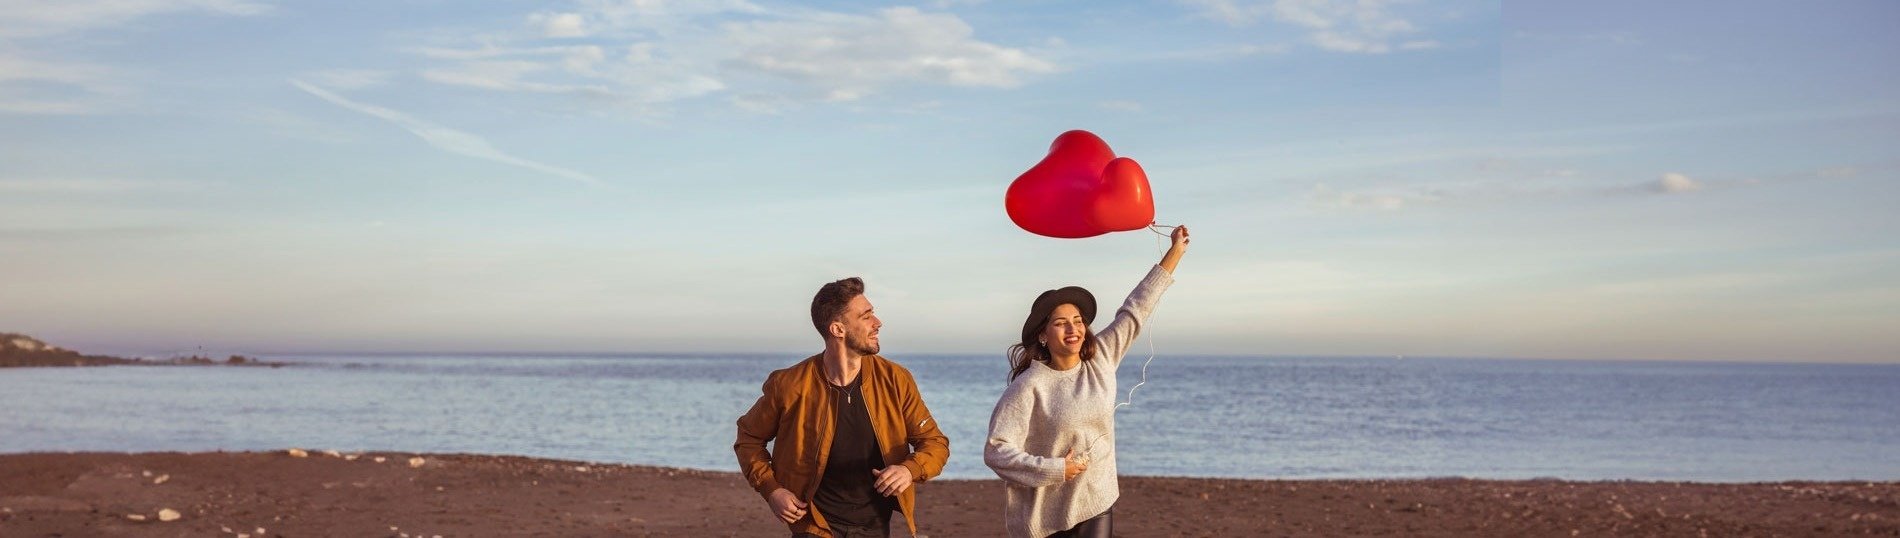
(852, 55)
(762, 103)
(1539, 186)
(30, 86)
(1612, 38)
(1680, 183)
(93, 186)
(1676, 183)
(35, 82)
(83, 234)
(559, 25)
(649, 53)
(1326, 197)
(349, 79)
(1695, 284)
(1838, 171)
(1853, 111)
(1234, 12)
(1351, 26)
(37, 18)
(287, 124)
(1212, 54)
(444, 138)
(507, 76)
(634, 76)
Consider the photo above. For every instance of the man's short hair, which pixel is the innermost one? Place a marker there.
(829, 304)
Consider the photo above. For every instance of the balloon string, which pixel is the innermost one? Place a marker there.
(1088, 450)
(1144, 375)
(1151, 346)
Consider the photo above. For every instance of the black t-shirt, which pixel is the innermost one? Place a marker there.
(847, 494)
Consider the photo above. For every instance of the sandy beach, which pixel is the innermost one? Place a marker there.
(398, 494)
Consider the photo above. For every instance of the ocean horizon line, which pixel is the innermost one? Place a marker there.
(999, 355)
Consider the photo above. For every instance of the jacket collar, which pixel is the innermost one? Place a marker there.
(813, 367)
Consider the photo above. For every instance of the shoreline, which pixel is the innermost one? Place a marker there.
(354, 494)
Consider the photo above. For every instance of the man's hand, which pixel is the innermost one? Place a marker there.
(892, 480)
(1072, 466)
(786, 506)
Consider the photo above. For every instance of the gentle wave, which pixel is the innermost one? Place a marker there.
(1197, 416)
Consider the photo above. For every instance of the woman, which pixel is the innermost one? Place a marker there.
(1052, 435)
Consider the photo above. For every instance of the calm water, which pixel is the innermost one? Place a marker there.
(1198, 416)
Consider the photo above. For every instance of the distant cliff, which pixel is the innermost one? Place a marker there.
(22, 350)
(17, 350)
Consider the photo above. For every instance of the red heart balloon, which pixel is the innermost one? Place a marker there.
(1081, 189)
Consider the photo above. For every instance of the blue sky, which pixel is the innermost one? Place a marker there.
(1627, 180)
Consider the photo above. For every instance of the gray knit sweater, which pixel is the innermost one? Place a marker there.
(1046, 412)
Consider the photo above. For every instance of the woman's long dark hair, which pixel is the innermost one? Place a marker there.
(1029, 349)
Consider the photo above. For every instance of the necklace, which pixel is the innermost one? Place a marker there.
(845, 390)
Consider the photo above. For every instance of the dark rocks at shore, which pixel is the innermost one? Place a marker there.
(20, 351)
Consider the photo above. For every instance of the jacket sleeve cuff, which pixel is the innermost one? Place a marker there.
(916, 470)
(766, 487)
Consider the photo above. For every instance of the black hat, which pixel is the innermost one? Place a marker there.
(1047, 302)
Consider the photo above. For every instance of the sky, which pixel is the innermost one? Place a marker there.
(1697, 180)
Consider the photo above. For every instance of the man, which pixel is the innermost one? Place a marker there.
(843, 425)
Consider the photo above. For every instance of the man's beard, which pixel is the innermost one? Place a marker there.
(860, 347)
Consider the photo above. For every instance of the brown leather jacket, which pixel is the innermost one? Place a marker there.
(797, 410)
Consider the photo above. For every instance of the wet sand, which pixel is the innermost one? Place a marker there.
(278, 494)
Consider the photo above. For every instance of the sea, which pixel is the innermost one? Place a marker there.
(1202, 416)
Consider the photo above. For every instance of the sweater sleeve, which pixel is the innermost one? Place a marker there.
(1003, 453)
(1115, 339)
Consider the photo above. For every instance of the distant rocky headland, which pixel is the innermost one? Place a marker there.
(19, 350)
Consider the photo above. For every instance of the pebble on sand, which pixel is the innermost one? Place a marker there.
(168, 514)
(297, 453)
